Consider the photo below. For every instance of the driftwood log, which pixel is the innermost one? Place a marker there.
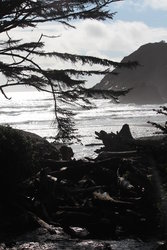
(114, 195)
(121, 141)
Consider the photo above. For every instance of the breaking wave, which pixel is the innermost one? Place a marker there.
(33, 111)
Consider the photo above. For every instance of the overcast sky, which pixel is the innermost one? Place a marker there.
(137, 22)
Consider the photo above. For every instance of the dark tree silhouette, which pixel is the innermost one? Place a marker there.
(163, 111)
(18, 67)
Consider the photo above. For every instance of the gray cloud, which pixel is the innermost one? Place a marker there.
(100, 39)
(112, 40)
(96, 38)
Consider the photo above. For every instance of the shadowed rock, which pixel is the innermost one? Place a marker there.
(148, 80)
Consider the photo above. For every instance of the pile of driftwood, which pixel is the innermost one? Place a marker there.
(116, 194)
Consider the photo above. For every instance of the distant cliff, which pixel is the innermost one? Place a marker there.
(149, 80)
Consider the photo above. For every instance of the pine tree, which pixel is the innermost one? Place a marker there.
(20, 69)
(163, 111)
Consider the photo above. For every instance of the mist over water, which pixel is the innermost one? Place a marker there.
(33, 111)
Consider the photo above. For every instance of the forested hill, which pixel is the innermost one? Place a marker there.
(149, 80)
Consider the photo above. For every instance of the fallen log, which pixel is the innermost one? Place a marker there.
(121, 141)
(119, 154)
(58, 164)
(42, 223)
(91, 193)
(106, 198)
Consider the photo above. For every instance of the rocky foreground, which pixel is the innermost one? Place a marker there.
(119, 195)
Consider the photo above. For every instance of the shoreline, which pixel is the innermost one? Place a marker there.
(105, 195)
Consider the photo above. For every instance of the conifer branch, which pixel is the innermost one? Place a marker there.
(65, 85)
(163, 111)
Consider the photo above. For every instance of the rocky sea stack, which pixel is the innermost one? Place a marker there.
(148, 81)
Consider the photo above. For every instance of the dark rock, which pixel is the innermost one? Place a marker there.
(21, 154)
(148, 80)
(66, 153)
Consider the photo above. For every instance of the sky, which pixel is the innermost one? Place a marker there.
(136, 22)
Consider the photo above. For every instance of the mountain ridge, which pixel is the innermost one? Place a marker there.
(148, 80)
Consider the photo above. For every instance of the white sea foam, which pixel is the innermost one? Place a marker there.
(33, 111)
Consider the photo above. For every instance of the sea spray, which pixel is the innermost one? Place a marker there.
(33, 111)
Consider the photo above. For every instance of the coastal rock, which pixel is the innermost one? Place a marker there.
(21, 154)
(148, 80)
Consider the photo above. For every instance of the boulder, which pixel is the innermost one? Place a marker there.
(21, 154)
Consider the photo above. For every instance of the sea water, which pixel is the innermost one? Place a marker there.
(34, 112)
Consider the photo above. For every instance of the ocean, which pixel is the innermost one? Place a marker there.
(34, 112)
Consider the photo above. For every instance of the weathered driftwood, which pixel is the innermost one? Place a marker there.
(42, 223)
(115, 192)
(108, 155)
(121, 141)
(58, 164)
